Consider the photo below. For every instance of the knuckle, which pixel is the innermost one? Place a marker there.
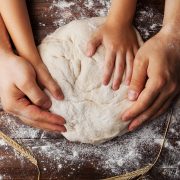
(112, 47)
(40, 101)
(121, 67)
(25, 83)
(109, 64)
(160, 82)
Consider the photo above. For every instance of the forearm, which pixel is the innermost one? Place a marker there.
(172, 15)
(122, 12)
(4, 37)
(16, 18)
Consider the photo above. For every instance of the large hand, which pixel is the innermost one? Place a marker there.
(156, 78)
(121, 47)
(20, 94)
(45, 79)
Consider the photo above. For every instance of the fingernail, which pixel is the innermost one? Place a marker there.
(63, 121)
(132, 95)
(115, 87)
(64, 130)
(105, 82)
(47, 104)
(60, 97)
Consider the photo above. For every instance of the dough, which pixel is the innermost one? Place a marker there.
(92, 111)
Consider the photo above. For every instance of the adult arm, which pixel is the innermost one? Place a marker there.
(17, 80)
(16, 18)
(156, 79)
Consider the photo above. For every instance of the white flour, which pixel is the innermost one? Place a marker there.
(115, 157)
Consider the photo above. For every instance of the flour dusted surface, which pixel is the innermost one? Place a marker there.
(92, 111)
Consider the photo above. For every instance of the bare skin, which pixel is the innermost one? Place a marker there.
(19, 91)
(119, 39)
(156, 79)
(19, 28)
(154, 82)
(17, 87)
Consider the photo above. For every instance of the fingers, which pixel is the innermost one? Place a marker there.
(93, 44)
(37, 117)
(165, 106)
(54, 89)
(35, 94)
(119, 70)
(15, 102)
(110, 57)
(129, 67)
(50, 84)
(145, 100)
(159, 106)
(149, 112)
(44, 126)
(138, 78)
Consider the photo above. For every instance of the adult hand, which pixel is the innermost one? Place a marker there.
(121, 46)
(156, 78)
(21, 96)
(45, 79)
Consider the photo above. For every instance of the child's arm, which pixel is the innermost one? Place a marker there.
(5, 44)
(159, 61)
(16, 18)
(17, 82)
(119, 38)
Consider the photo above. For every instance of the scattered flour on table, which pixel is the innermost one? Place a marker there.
(112, 155)
(148, 21)
(120, 155)
(66, 11)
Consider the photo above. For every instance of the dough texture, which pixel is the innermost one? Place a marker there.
(92, 111)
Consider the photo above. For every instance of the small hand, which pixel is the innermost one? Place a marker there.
(21, 96)
(156, 79)
(121, 46)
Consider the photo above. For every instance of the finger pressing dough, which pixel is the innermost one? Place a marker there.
(92, 111)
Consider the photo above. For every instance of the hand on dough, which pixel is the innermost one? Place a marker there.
(121, 46)
(20, 94)
(45, 79)
(156, 78)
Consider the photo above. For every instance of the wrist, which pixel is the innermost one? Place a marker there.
(31, 56)
(171, 30)
(118, 24)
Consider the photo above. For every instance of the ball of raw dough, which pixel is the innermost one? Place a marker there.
(92, 111)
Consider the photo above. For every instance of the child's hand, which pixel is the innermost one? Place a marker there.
(159, 61)
(20, 94)
(121, 46)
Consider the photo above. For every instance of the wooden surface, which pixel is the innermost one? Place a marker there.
(45, 18)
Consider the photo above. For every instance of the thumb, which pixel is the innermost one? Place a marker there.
(35, 94)
(138, 79)
(93, 44)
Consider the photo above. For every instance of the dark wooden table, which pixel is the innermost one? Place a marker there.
(60, 159)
